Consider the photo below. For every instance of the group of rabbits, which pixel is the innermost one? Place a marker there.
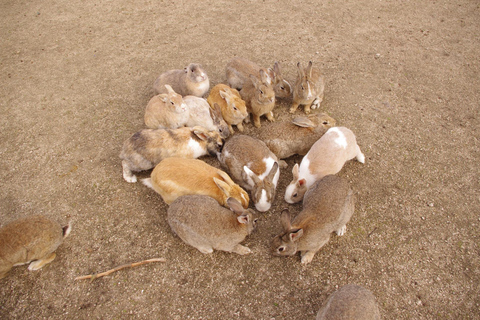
(208, 207)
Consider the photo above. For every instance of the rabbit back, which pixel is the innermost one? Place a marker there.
(350, 302)
(166, 111)
(192, 80)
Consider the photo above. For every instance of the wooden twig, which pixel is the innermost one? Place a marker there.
(130, 265)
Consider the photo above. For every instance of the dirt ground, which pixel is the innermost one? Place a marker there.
(403, 75)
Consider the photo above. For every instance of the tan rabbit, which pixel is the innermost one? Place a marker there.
(327, 207)
(259, 97)
(308, 88)
(239, 69)
(175, 177)
(192, 80)
(282, 88)
(33, 240)
(146, 148)
(203, 223)
(253, 166)
(350, 302)
(166, 111)
(287, 138)
(234, 109)
(326, 156)
(200, 114)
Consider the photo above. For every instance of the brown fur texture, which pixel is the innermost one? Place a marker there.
(34, 238)
(166, 111)
(308, 88)
(246, 160)
(238, 71)
(234, 109)
(259, 98)
(350, 302)
(175, 177)
(200, 114)
(192, 80)
(287, 138)
(203, 223)
(327, 207)
(146, 148)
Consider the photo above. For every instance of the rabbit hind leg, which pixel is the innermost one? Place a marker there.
(38, 264)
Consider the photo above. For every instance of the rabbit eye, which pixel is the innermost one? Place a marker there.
(255, 220)
(295, 195)
(220, 130)
(261, 92)
(325, 122)
(281, 249)
(303, 88)
(235, 108)
(283, 88)
(172, 103)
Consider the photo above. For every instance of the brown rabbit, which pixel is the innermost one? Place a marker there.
(146, 148)
(175, 177)
(282, 88)
(239, 69)
(327, 207)
(308, 88)
(203, 223)
(166, 111)
(253, 166)
(201, 114)
(32, 239)
(192, 80)
(350, 302)
(287, 138)
(234, 109)
(259, 97)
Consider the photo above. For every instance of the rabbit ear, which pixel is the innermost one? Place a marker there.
(295, 171)
(224, 94)
(251, 174)
(222, 185)
(285, 220)
(202, 135)
(294, 235)
(169, 89)
(300, 70)
(217, 112)
(254, 81)
(309, 69)
(226, 178)
(276, 68)
(266, 76)
(272, 172)
(244, 218)
(301, 182)
(303, 122)
(235, 205)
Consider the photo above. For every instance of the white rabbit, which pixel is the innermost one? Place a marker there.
(203, 223)
(326, 156)
(253, 166)
(200, 114)
(327, 207)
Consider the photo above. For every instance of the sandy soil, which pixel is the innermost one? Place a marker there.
(403, 75)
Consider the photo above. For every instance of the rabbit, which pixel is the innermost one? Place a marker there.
(350, 302)
(234, 109)
(239, 69)
(287, 138)
(192, 80)
(166, 111)
(326, 156)
(259, 98)
(253, 166)
(200, 114)
(327, 207)
(175, 177)
(147, 147)
(308, 88)
(203, 223)
(33, 240)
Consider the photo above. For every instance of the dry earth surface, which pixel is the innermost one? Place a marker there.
(75, 77)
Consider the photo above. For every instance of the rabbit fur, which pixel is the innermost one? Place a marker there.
(147, 147)
(308, 88)
(32, 239)
(203, 223)
(287, 138)
(166, 111)
(327, 207)
(233, 108)
(350, 302)
(253, 166)
(200, 114)
(175, 177)
(192, 80)
(326, 156)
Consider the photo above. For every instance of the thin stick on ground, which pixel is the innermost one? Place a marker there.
(130, 265)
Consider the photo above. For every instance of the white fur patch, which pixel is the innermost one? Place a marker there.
(289, 192)
(196, 149)
(341, 140)
(309, 93)
(304, 172)
(204, 85)
(263, 205)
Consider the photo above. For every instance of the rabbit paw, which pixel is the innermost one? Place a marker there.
(361, 158)
(38, 264)
(307, 256)
(205, 250)
(241, 250)
(341, 231)
(316, 104)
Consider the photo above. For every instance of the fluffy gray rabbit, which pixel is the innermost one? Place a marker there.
(203, 223)
(33, 240)
(350, 302)
(253, 166)
(327, 207)
(192, 80)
